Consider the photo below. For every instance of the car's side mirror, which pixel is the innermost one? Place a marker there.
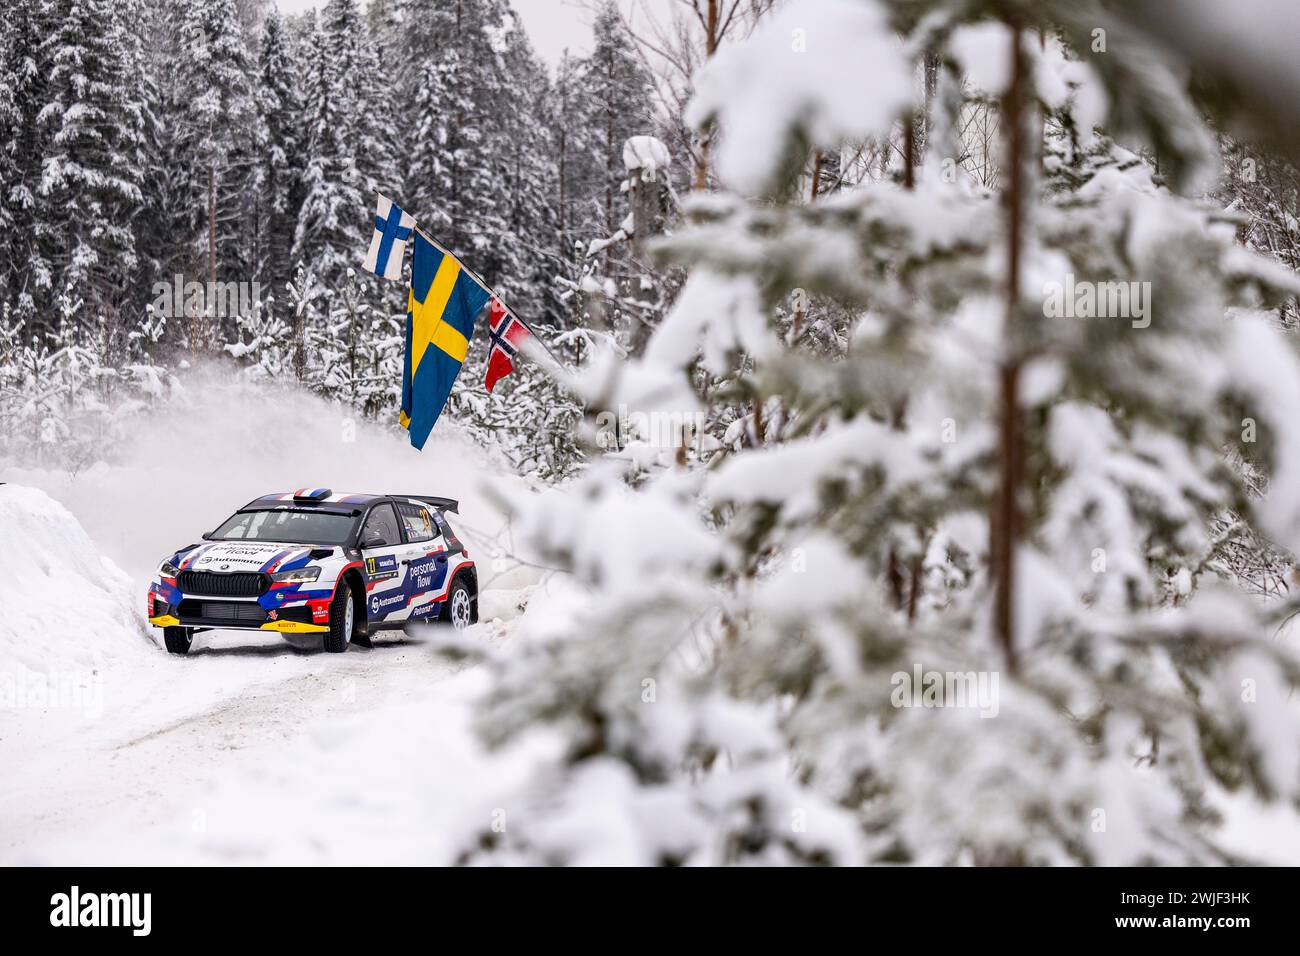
(206, 536)
(374, 541)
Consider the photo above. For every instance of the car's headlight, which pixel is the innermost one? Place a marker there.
(168, 570)
(301, 576)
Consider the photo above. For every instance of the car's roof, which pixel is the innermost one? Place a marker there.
(288, 498)
(323, 499)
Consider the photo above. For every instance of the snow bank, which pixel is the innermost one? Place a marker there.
(64, 607)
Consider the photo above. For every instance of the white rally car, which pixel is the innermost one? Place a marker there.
(313, 562)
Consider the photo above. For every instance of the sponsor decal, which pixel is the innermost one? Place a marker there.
(427, 574)
(381, 568)
(227, 555)
(377, 603)
(247, 550)
(227, 562)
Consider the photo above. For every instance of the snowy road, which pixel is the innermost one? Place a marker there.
(144, 765)
(248, 750)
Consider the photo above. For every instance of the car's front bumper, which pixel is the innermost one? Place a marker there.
(279, 610)
(284, 627)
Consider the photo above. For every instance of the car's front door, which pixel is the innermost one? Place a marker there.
(382, 552)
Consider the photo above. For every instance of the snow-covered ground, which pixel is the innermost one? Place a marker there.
(249, 749)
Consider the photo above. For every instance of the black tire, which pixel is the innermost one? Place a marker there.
(340, 634)
(458, 611)
(179, 640)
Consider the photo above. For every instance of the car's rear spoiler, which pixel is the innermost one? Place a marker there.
(442, 504)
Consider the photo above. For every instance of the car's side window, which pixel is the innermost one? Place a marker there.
(381, 528)
(416, 520)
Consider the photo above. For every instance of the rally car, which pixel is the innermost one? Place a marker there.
(313, 562)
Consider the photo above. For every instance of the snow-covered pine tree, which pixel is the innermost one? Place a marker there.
(575, 181)
(331, 222)
(218, 136)
(24, 274)
(452, 179)
(616, 103)
(90, 128)
(264, 346)
(279, 175)
(12, 337)
(523, 164)
(980, 485)
(151, 29)
(10, 115)
(618, 92)
(385, 29)
(165, 224)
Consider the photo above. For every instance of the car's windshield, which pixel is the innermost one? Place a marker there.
(286, 525)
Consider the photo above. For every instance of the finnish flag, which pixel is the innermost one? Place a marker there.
(388, 244)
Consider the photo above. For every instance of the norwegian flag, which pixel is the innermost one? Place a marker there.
(508, 334)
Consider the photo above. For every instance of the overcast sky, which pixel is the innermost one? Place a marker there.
(552, 25)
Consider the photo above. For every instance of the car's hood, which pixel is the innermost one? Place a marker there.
(249, 556)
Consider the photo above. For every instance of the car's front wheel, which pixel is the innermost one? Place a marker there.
(179, 640)
(343, 619)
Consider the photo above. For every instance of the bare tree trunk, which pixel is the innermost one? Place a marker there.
(1004, 525)
(701, 182)
(895, 570)
(706, 135)
(210, 311)
(930, 85)
(909, 152)
(564, 147)
(299, 345)
(894, 575)
(914, 589)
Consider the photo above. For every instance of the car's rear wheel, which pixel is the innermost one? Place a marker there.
(343, 619)
(460, 607)
(179, 640)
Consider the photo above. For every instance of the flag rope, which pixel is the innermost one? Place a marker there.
(489, 290)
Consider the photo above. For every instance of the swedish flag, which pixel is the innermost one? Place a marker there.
(443, 303)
